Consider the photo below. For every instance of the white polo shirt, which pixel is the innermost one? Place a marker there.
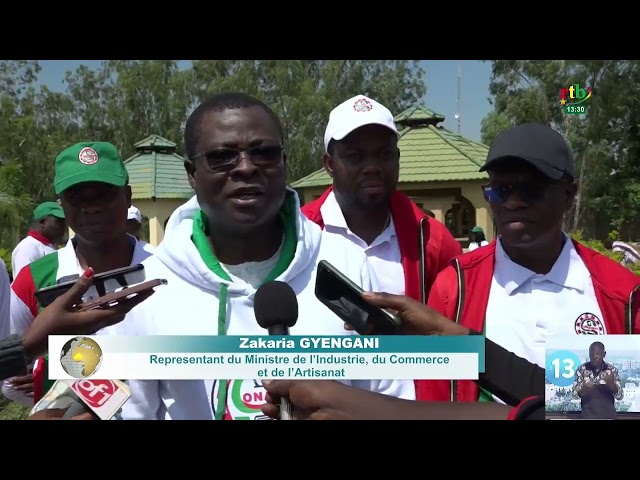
(28, 250)
(526, 308)
(383, 254)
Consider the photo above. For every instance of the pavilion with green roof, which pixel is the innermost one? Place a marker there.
(438, 170)
(158, 182)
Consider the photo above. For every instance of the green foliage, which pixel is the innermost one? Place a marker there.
(599, 246)
(5, 255)
(605, 140)
(12, 411)
(125, 101)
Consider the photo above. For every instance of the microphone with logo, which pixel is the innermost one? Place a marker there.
(102, 398)
(276, 310)
(81, 358)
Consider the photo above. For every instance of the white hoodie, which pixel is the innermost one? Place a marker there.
(189, 305)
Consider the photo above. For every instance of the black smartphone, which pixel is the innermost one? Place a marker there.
(344, 298)
(103, 283)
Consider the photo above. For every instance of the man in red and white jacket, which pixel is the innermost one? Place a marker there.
(48, 230)
(364, 207)
(534, 282)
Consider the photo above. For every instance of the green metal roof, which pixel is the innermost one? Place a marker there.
(428, 152)
(156, 171)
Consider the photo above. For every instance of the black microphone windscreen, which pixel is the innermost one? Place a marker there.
(275, 303)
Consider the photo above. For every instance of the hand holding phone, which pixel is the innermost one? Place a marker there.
(111, 300)
(67, 315)
(344, 298)
(102, 284)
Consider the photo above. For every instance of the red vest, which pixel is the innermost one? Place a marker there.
(615, 288)
(440, 246)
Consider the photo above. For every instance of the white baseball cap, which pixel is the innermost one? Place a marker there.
(134, 214)
(355, 113)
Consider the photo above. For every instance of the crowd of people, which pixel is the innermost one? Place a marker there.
(245, 226)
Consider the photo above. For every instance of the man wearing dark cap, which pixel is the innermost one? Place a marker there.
(48, 230)
(94, 190)
(534, 281)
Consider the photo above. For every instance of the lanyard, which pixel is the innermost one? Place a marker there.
(221, 405)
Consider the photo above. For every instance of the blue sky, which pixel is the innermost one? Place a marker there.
(441, 78)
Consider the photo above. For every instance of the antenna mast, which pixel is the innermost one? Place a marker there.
(459, 113)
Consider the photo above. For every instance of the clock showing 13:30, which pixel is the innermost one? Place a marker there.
(561, 367)
(574, 110)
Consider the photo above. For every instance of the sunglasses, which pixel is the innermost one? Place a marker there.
(226, 159)
(529, 192)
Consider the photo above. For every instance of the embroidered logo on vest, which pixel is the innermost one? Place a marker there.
(589, 324)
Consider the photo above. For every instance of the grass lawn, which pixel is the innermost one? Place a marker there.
(12, 411)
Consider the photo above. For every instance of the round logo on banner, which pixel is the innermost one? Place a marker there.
(81, 357)
(562, 366)
(88, 156)
(589, 324)
(362, 105)
(244, 399)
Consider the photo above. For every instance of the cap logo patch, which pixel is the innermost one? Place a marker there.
(88, 156)
(362, 105)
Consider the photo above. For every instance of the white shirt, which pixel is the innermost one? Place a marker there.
(21, 316)
(28, 250)
(253, 273)
(631, 256)
(474, 245)
(383, 254)
(68, 263)
(526, 308)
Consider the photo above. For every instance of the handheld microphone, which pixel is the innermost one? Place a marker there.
(276, 310)
(102, 398)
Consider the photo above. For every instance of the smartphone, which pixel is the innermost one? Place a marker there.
(103, 283)
(113, 298)
(344, 298)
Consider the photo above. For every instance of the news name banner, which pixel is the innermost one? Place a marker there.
(348, 357)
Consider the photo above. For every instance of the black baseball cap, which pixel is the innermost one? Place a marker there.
(535, 143)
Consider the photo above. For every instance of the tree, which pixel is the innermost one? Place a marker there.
(493, 124)
(124, 101)
(127, 100)
(605, 141)
(303, 92)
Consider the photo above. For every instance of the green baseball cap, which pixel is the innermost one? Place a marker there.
(89, 162)
(48, 208)
(477, 230)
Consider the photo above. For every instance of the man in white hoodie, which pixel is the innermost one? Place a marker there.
(243, 228)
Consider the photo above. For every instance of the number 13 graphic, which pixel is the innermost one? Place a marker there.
(561, 367)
